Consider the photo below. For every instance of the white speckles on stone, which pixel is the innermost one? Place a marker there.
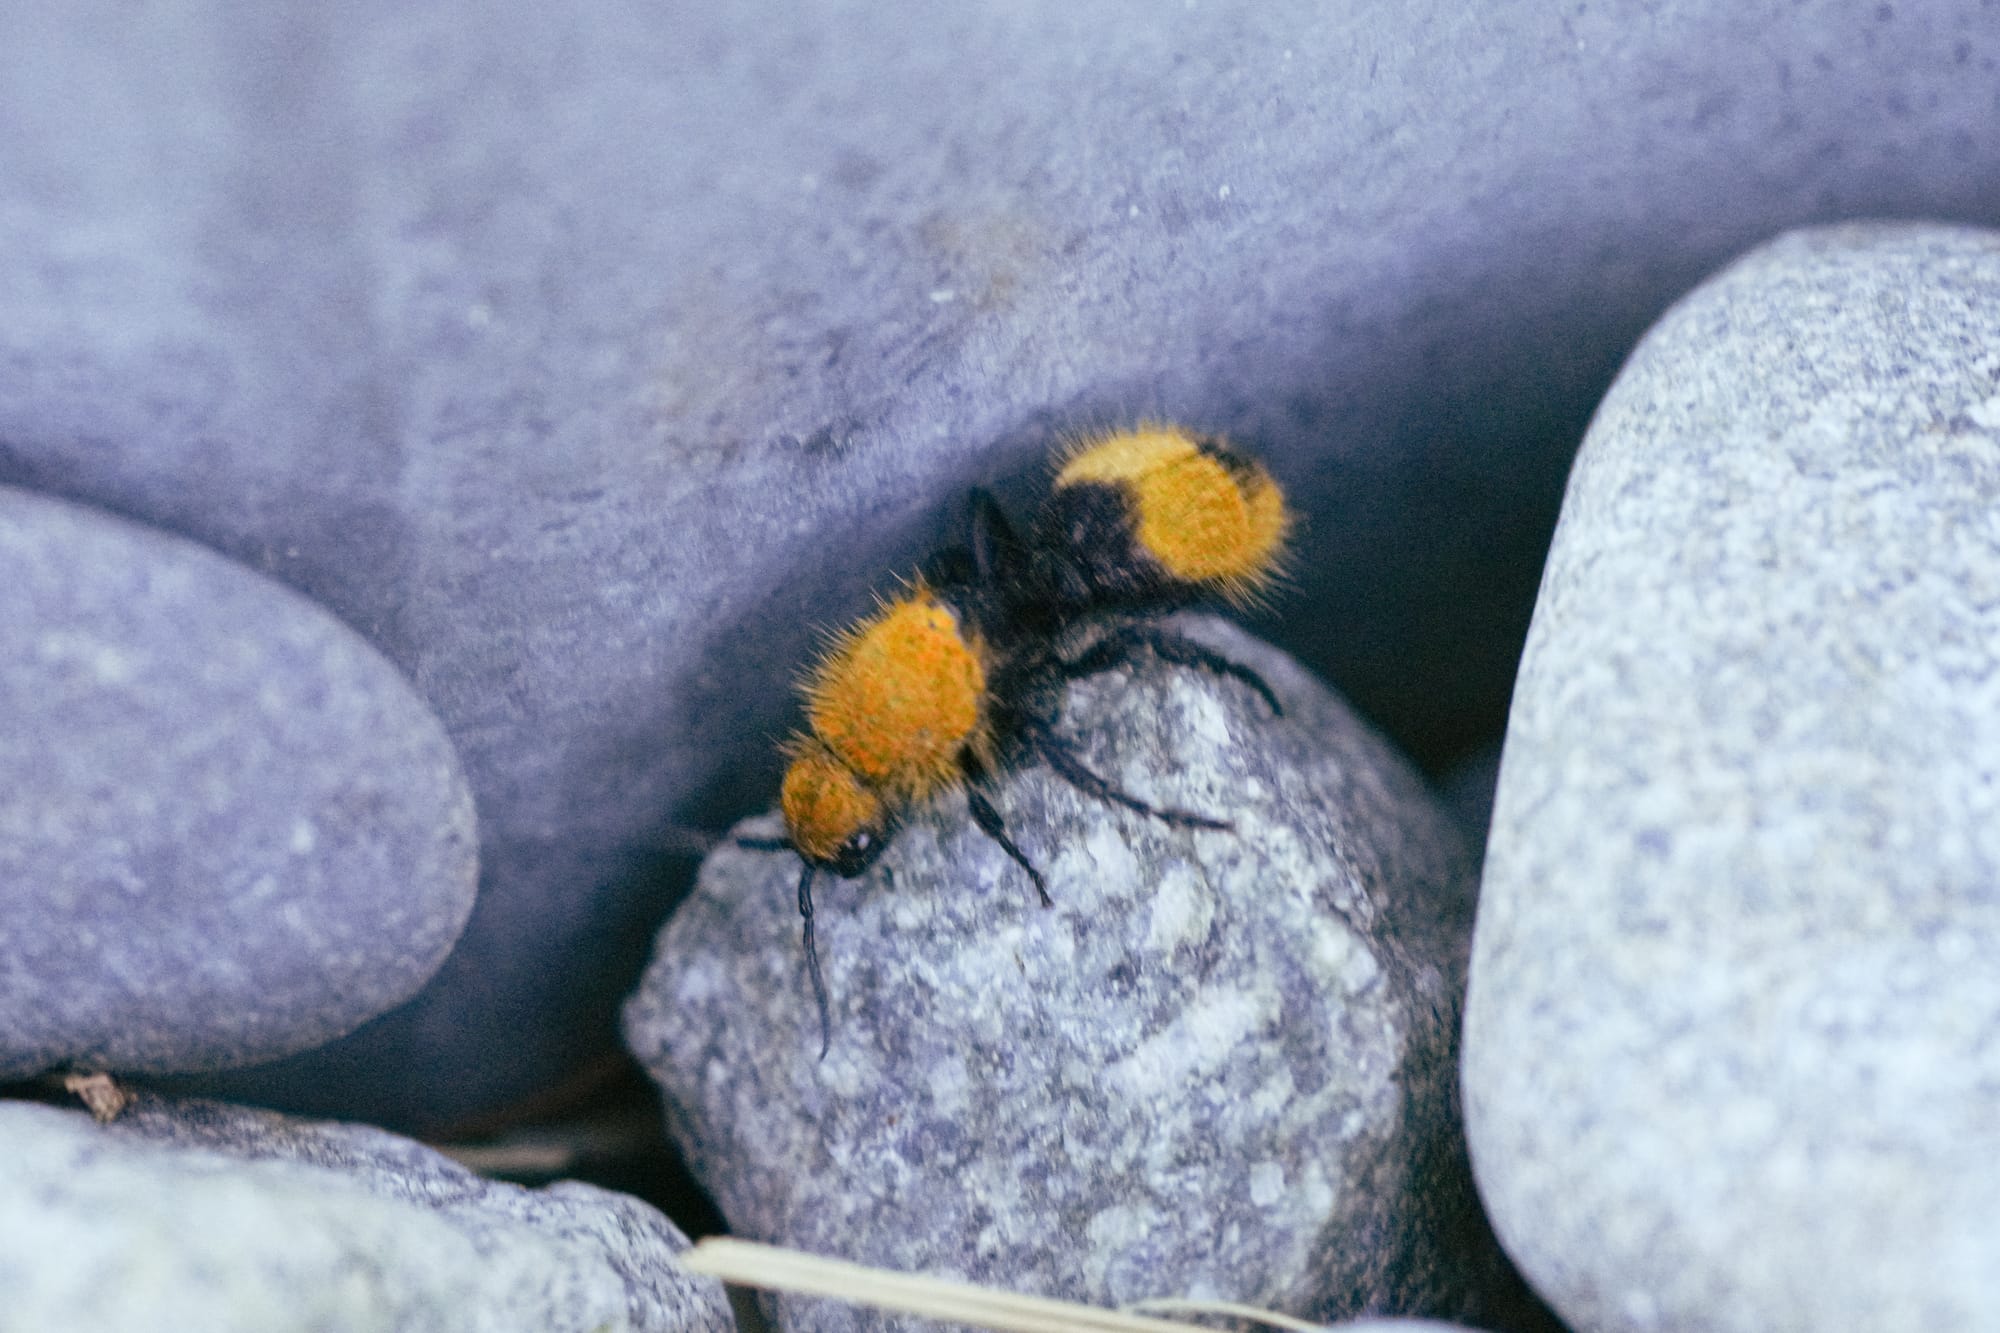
(700, 982)
(1198, 1040)
(1274, 1093)
(1267, 1184)
(1316, 1192)
(1103, 852)
(1181, 913)
(1986, 413)
(1118, 1228)
(1335, 948)
(949, 1086)
(107, 663)
(1120, 1259)
(1954, 947)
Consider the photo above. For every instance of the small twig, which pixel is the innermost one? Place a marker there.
(1223, 1309)
(100, 1094)
(747, 1263)
(512, 1159)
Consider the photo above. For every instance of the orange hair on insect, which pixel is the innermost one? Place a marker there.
(900, 695)
(1207, 516)
(824, 803)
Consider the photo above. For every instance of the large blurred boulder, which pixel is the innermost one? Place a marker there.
(196, 1215)
(1730, 1048)
(229, 829)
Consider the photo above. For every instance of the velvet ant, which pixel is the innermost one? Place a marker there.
(962, 672)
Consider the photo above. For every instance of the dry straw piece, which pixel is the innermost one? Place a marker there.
(750, 1264)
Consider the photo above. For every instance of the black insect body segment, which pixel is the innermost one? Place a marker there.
(963, 672)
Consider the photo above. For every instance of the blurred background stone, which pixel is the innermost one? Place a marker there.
(188, 1214)
(586, 358)
(229, 830)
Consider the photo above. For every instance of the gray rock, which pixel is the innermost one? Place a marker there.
(1732, 1054)
(196, 1215)
(555, 347)
(230, 830)
(1222, 1065)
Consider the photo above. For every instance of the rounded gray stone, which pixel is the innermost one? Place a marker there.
(197, 1215)
(229, 830)
(1732, 1052)
(588, 358)
(1222, 1065)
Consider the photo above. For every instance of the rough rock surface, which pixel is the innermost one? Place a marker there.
(1732, 1054)
(1222, 1065)
(230, 829)
(196, 1215)
(557, 348)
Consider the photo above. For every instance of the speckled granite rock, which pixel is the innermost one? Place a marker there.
(1222, 1065)
(196, 1215)
(1732, 1055)
(557, 348)
(230, 830)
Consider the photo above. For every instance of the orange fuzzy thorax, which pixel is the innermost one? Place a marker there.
(900, 697)
(1204, 520)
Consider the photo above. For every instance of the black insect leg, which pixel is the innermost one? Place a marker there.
(1061, 756)
(996, 551)
(812, 962)
(763, 844)
(1117, 648)
(990, 823)
(988, 819)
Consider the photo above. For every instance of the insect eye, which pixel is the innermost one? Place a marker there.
(857, 853)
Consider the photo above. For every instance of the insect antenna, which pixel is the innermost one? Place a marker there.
(812, 960)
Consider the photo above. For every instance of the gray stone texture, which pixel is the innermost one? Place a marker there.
(1732, 1054)
(1222, 1065)
(196, 1215)
(229, 830)
(587, 357)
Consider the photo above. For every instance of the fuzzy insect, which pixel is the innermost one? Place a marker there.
(962, 673)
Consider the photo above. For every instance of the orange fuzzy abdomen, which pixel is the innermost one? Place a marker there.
(1202, 515)
(900, 697)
